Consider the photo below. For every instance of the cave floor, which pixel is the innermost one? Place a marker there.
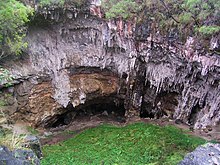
(62, 133)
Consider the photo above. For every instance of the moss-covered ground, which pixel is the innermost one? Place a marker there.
(135, 144)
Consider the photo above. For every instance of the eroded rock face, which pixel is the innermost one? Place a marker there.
(195, 83)
(76, 57)
(42, 109)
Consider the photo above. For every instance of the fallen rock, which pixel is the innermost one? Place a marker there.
(18, 157)
(33, 143)
(208, 154)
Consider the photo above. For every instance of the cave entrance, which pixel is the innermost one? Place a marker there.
(163, 105)
(104, 109)
(194, 112)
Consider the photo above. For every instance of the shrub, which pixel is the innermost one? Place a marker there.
(208, 30)
(13, 17)
(122, 8)
(5, 77)
(52, 2)
(190, 16)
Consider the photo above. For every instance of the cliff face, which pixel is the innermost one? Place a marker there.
(77, 59)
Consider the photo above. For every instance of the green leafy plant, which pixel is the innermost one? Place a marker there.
(32, 130)
(208, 30)
(204, 15)
(13, 17)
(61, 3)
(120, 9)
(52, 2)
(5, 77)
(187, 16)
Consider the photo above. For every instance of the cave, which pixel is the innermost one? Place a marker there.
(106, 109)
(147, 110)
(193, 115)
(163, 105)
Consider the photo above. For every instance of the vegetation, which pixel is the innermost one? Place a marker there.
(61, 3)
(5, 77)
(188, 16)
(52, 2)
(11, 139)
(209, 30)
(205, 15)
(13, 17)
(124, 8)
(134, 144)
(32, 130)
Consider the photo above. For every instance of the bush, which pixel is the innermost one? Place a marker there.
(209, 30)
(122, 8)
(52, 2)
(5, 77)
(189, 16)
(13, 17)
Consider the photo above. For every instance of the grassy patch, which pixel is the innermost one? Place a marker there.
(32, 130)
(11, 139)
(135, 144)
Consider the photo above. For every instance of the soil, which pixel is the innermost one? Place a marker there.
(81, 123)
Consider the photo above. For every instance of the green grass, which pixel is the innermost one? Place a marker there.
(32, 130)
(135, 144)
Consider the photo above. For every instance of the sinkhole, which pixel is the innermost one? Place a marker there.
(106, 109)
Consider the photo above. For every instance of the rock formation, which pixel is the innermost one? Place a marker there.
(75, 58)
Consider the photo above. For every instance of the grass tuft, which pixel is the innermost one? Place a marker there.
(11, 139)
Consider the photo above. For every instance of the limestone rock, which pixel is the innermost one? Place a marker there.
(17, 157)
(33, 143)
(208, 154)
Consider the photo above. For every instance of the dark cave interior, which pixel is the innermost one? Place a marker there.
(110, 108)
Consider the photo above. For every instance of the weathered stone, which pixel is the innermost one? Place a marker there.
(208, 154)
(33, 143)
(17, 157)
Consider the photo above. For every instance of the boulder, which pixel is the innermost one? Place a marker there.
(33, 143)
(17, 157)
(208, 154)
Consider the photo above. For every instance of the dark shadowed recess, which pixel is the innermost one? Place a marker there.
(159, 105)
(110, 108)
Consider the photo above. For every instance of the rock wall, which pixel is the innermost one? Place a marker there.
(75, 56)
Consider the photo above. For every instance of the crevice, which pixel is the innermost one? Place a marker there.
(193, 116)
(146, 111)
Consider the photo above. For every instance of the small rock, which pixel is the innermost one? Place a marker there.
(48, 134)
(205, 130)
(120, 119)
(178, 121)
(3, 120)
(105, 113)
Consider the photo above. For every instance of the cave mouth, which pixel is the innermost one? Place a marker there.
(163, 105)
(105, 109)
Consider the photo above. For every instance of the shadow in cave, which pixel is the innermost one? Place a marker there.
(102, 109)
(162, 105)
(193, 116)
